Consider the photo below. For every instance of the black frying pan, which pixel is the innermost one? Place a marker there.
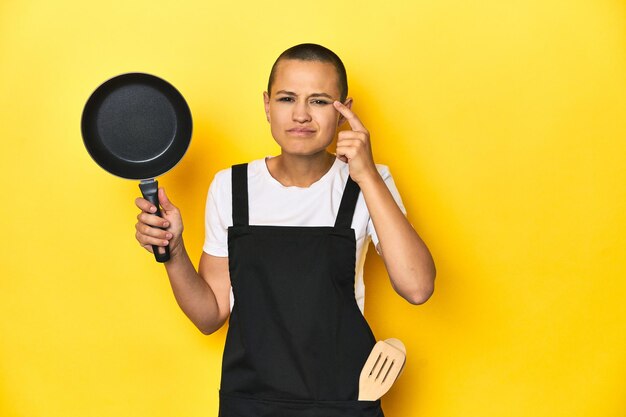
(137, 126)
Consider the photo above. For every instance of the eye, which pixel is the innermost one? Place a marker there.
(320, 102)
(285, 99)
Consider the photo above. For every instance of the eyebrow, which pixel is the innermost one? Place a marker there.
(291, 93)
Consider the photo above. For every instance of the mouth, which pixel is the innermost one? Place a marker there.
(301, 132)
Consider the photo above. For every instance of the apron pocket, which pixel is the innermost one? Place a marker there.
(237, 405)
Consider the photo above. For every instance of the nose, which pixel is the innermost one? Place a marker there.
(301, 112)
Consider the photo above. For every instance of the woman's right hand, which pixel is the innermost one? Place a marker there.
(159, 231)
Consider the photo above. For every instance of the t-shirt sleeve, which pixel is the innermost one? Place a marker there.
(386, 175)
(217, 215)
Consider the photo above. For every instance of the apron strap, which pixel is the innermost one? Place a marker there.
(240, 194)
(348, 203)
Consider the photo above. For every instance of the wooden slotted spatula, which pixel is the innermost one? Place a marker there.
(381, 369)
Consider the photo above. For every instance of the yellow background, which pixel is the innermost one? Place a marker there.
(503, 122)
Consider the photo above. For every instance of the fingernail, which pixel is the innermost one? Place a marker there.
(166, 224)
(169, 235)
(152, 209)
(166, 242)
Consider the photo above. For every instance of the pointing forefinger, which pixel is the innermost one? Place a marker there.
(352, 119)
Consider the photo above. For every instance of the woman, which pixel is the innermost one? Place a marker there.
(286, 238)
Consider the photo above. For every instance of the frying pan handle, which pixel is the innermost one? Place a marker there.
(149, 190)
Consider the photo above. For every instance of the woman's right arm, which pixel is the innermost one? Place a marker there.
(203, 295)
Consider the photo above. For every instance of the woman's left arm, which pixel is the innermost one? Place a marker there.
(408, 261)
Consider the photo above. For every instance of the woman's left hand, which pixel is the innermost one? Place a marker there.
(353, 146)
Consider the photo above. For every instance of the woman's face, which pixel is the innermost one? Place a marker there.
(300, 106)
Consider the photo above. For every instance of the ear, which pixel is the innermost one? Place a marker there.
(348, 104)
(266, 101)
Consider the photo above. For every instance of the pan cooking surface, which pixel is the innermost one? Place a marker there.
(136, 126)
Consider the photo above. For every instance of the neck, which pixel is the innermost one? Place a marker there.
(300, 171)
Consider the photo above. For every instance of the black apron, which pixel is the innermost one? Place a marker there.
(297, 340)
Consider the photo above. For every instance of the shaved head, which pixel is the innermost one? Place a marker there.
(313, 52)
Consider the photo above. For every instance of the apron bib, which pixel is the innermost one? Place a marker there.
(297, 340)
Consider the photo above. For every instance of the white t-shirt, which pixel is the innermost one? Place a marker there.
(273, 204)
